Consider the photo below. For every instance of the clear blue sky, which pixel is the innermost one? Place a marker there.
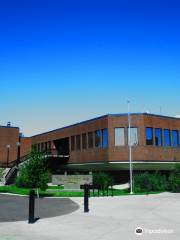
(66, 61)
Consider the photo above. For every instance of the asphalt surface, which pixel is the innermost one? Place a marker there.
(15, 208)
(109, 218)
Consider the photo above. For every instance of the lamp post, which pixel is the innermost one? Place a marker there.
(18, 144)
(8, 148)
(130, 149)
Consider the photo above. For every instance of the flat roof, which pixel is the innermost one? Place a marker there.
(105, 116)
(8, 127)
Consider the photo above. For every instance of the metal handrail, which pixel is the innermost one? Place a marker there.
(14, 164)
(8, 175)
(48, 153)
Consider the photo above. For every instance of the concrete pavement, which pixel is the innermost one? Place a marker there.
(110, 218)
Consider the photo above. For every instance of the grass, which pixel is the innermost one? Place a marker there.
(58, 191)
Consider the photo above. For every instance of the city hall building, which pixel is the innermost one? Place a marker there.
(101, 143)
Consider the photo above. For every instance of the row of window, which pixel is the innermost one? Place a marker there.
(162, 137)
(44, 146)
(99, 138)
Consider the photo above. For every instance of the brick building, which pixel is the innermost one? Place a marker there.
(102, 143)
(10, 141)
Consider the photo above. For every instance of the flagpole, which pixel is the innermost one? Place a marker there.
(130, 149)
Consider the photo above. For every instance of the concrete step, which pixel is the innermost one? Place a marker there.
(3, 173)
(121, 186)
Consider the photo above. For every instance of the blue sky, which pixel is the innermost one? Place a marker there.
(62, 62)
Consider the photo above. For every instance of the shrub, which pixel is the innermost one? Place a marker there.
(174, 180)
(102, 180)
(146, 182)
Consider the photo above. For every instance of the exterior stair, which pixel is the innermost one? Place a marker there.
(11, 175)
(3, 174)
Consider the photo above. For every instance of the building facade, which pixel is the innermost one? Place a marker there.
(10, 141)
(102, 143)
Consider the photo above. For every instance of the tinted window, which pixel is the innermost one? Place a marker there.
(72, 143)
(90, 140)
(167, 138)
(104, 138)
(39, 147)
(84, 141)
(78, 142)
(149, 136)
(158, 137)
(119, 137)
(42, 146)
(49, 145)
(97, 138)
(175, 138)
(46, 146)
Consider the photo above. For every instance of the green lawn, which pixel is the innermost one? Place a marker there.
(58, 191)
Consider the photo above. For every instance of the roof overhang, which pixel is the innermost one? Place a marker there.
(115, 166)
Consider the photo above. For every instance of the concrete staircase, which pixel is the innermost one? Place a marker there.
(11, 175)
(3, 174)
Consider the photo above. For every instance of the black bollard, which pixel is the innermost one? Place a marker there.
(86, 198)
(31, 206)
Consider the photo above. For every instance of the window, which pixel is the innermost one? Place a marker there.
(39, 147)
(97, 138)
(158, 137)
(72, 143)
(134, 136)
(119, 137)
(175, 138)
(49, 145)
(90, 140)
(42, 147)
(104, 138)
(78, 142)
(149, 136)
(167, 138)
(84, 141)
(46, 146)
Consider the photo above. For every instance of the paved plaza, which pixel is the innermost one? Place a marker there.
(112, 218)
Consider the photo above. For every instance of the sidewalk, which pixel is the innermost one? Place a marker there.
(112, 218)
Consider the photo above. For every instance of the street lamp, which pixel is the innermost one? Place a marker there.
(18, 144)
(8, 146)
(130, 149)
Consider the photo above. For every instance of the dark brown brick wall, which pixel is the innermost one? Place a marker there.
(86, 155)
(141, 152)
(8, 135)
(26, 143)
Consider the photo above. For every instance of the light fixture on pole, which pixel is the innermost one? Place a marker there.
(130, 149)
(8, 148)
(18, 153)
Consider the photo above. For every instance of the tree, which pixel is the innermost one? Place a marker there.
(34, 172)
(174, 179)
(103, 180)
